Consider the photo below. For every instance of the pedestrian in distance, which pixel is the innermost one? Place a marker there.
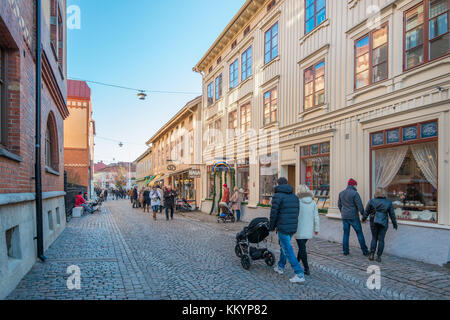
(379, 209)
(350, 205)
(236, 201)
(135, 197)
(225, 196)
(141, 197)
(81, 202)
(170, 196)
(106, 194)
(161, 192)
(308, 224)
(155, 196)
(284, 220)
(146, 202)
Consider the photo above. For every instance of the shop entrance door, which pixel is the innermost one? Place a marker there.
(292, 177)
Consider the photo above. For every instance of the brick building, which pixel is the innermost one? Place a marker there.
(79, 131)
(17, 132)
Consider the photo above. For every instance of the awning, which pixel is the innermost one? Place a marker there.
(154, 180)
(149, 179)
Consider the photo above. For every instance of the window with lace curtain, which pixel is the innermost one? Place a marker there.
(404, 163)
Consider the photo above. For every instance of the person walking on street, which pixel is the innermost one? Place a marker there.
(146, 202)
(236, 200)
(284, 220)
(155, 197)
(308, 224)
(135, 197)
(106, 194)
(350, 205)
(225, 196)
(141, 198)
(169, 201)
(379, 209)
(161, 203)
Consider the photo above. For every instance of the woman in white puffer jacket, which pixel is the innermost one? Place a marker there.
(308, 223)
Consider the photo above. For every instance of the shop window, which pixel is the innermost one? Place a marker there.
(371, 58)
(426, 32)
(314, 82)
(268, 177)
(271, 44)
(405, 164)
(315, 14)
(243, 178)
(315, 172)
(232, 120)
(13, 248)
(270, 106)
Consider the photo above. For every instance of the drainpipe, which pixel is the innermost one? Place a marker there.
(38, 173)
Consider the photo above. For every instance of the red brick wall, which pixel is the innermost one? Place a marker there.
(73, 158)
(17, 177)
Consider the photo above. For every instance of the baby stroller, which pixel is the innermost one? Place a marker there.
(226, 214)
(183, 206)
(256, 232)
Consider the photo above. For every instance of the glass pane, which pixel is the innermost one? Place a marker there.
(362, 46)
(309, 25)
(309, 75)
(414, 18)
(267, 58)
(362, 63)
(320, 69)
(320, 4)
(320, 98)
(321, 16)
(437, 7)
(274, 115)
(438, 26)
(362, 79)
(380, 72)
(439, 47)
(309, 2)
(380, 37)
(309, 102)
(320, 84)
(309, 88)
(380, 55)
(309, 12)
(414, 38)
(414, 57)
(275, 52)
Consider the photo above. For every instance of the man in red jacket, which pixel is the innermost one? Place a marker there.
(80, 202)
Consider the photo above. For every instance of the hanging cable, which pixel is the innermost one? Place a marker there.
(135, 89)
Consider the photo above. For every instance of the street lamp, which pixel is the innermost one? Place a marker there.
(142, 95)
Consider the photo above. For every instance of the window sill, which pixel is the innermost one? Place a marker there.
(51, 171)
(9, 155)
(358, 92)
(250, 78)
(302, 115)
(324, 24)
(268, 64)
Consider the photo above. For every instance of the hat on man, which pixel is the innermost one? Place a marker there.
(225, 185)
(352, 182)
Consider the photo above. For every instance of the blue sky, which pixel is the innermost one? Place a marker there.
(148, 44)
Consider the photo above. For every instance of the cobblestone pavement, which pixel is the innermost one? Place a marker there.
(124, 254)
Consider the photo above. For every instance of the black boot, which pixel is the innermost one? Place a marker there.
(378, 258)
(372, 257)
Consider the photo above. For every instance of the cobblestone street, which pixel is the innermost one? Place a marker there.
(124, 254)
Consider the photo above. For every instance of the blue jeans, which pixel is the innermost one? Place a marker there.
(356, 224)
(87, 208)
(238, 215)
(287, 253)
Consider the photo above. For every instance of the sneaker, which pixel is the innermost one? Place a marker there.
(378, 259)
(278, 270)
(371, 257)
(298, 279)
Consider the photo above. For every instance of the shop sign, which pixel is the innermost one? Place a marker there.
(171, 167)
(410, 133)
(194, 173)
(429, 130)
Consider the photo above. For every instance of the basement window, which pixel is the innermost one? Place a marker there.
(13, 243)
(58, 217)
(50, 220)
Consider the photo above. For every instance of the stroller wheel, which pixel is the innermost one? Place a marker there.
(270, 259)
(245, 261)
(238, 252)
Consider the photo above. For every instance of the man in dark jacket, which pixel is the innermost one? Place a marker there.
(135, 197)
(350, 205)
(170, 196)
(284, 219)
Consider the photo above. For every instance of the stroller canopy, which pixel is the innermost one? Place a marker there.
(257, 230)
